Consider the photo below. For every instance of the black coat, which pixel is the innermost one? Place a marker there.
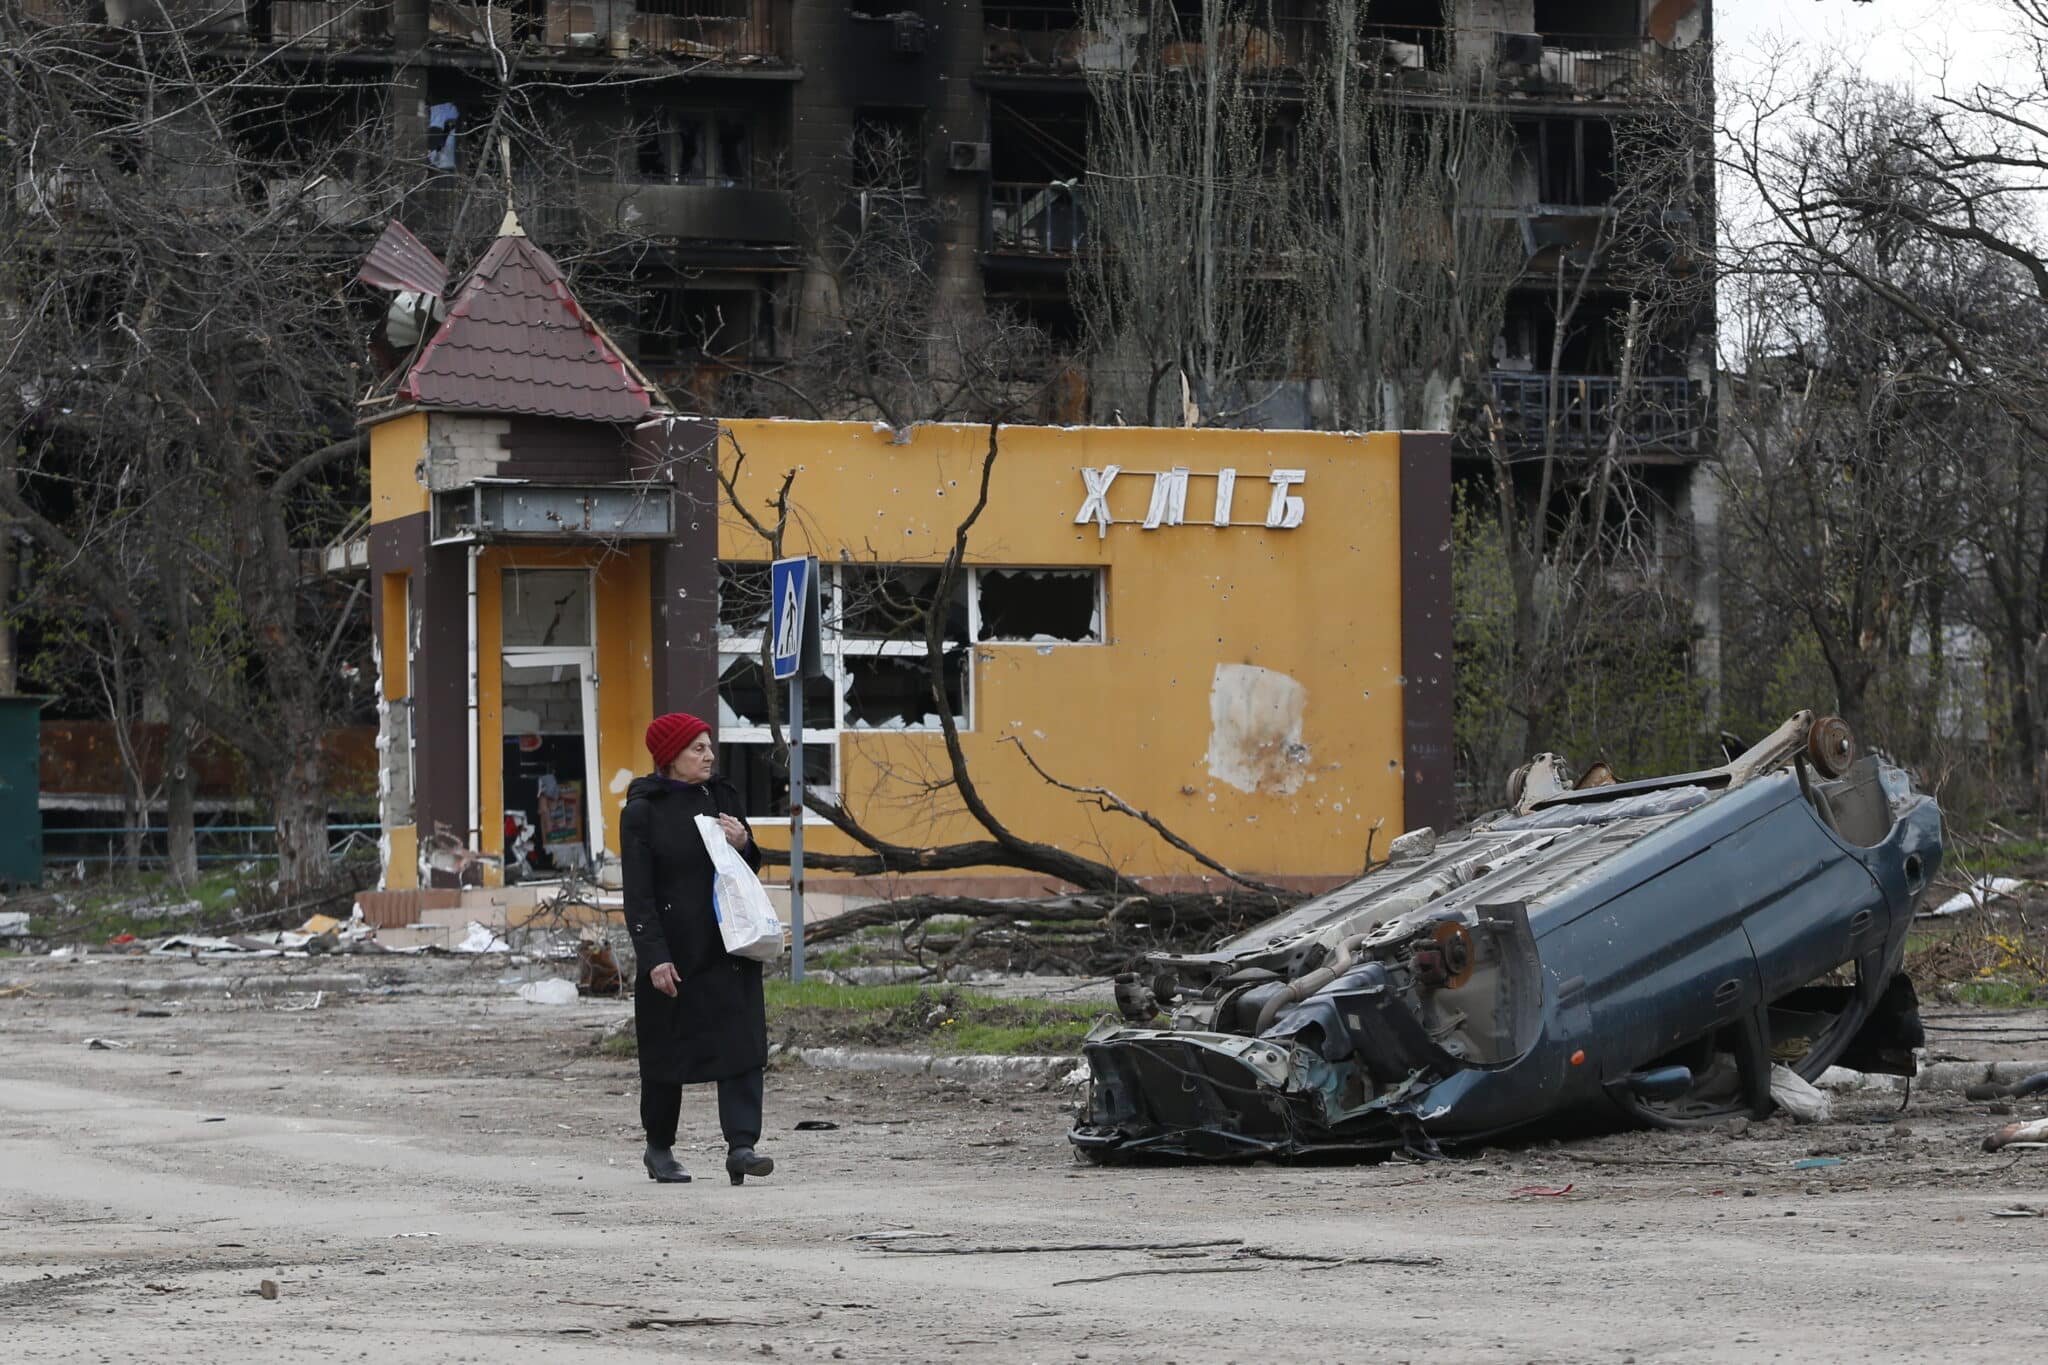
(715, 1026)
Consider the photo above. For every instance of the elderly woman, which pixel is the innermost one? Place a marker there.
(697, 1010)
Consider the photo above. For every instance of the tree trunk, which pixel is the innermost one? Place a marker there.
(299, 808)
(180, 790)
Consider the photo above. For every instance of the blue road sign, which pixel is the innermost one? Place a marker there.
(790, 593)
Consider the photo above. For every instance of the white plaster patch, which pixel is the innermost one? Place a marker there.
(1255, 722)
(621, 780)
(520, 721)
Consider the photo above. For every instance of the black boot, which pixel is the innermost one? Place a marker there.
(662, 1165)
(742, 1162)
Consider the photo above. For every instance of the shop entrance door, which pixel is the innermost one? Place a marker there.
(552, 818)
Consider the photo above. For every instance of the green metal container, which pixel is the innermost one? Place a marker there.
(21, 788)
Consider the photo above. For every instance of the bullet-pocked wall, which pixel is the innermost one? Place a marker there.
(1246, 634)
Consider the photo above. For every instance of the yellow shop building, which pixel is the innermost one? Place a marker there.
(1246, 634)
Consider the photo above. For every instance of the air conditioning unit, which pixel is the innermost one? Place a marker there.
(967, 158)
(906, 34)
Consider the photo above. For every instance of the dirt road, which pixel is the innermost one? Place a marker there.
(454, 1178)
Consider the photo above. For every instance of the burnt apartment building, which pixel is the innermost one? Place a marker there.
(704, 151)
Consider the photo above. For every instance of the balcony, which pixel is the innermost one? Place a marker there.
(1052, 40)
(702, 33)
(695, 212)
(1575, 66)
(1664, 415)
(1044, 221)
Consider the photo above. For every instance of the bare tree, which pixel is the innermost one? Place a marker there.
(1405, 208)
(1190, 277)
(182, 356)
(1893, 436)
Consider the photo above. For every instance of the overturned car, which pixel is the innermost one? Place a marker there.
(1636, 952)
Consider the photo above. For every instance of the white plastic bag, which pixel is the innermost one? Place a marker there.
(1793, 1095)
(746, 921)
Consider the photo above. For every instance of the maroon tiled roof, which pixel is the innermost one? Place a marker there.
(516, 341)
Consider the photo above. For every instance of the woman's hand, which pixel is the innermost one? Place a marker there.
(664, 978)
(735, 832)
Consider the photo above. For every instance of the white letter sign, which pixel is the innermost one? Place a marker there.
(1284, 512)
(1226, 493)
(1096, 506)
(1169, 499)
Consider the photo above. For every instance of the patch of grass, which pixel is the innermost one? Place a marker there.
(1995, 994)
(622, 1045)
(788, 995)
(147, 906)
(2011, 857)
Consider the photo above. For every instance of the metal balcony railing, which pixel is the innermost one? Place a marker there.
(723, 32)
(1036, 219)
(1053, 39)
(1662, 414)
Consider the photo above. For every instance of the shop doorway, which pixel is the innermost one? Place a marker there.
(548, 734)
(550, 743)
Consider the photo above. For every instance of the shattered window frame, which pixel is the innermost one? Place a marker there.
(850, 648)
(1094, 633)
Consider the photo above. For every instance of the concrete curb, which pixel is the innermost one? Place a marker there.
(959, 1068)
(334, 983)
(1939, 1077)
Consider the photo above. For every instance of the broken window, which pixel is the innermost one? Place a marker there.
(684, 147)
(678, 322)
(742, 599)
(891, 691)
(887, 149)
(876, 677)
(1572, 160)
(743, 688)
(1039, 606)
(762, 778)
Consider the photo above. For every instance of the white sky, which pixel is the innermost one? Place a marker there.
(1914, 42)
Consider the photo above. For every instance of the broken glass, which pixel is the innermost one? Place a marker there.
(1039, 606)
(894, 691)
(743, 694)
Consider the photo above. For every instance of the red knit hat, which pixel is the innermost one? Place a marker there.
(669, 735)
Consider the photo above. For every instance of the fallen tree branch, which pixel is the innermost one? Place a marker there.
(1035, 1249)
(1165, 1270)
(1105, 799)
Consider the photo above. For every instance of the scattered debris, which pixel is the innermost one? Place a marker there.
(2019, 1211)
(480, 938)
(554, 991)
(1976, 896)
(314, 1004)
(1815, 1163)
(14, 924)
(815, 1126)
(2035, 1131)
(105, 1044)
(268, 1289)
(659, 1323)
(1546, 1190)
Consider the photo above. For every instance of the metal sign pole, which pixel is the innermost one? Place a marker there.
(796, 826)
